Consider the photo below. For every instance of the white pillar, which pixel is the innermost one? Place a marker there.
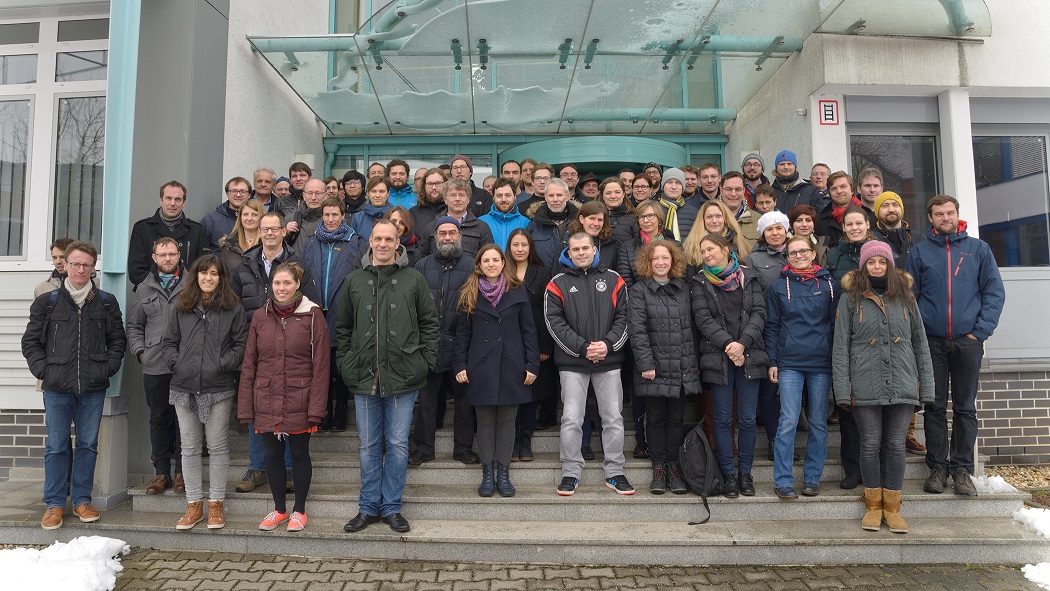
(830, 142)
(957, 153)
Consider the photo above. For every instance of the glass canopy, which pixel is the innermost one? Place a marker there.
(576, 66)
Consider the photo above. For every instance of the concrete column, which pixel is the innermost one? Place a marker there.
(957, 153)
(111, 468)
(830, 142)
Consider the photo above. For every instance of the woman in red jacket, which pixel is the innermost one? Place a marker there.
(284, 388)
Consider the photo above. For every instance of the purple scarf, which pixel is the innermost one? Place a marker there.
(493, 292)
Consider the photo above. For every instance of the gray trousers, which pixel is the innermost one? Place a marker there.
(193, 431)
(609, 392)
(496, 432)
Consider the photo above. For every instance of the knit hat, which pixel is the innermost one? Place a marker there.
(875, 248)
(888, 195)
(654, 165)
(786, 156)
(753, 156)
(282, 178)
(446, 219)
(466, 159)
(771, 219)
(673, 173)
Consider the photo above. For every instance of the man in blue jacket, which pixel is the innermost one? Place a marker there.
(504, 216)
(960, 296)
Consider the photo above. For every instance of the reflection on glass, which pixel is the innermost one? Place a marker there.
(909, 168)
(19, 33)
(81, 65)
(17, 69)
(83, 30)
(78, 168)
(14, 158)
(1012, 198)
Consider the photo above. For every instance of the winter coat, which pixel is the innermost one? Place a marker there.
(204, 349)
(825, 225)
(548, 235)
(748, 223)
(218, 223)
(900, 240)
(74, 350)
(284, 377)
(193, 242)
(307, 220)
(688, 212)
(881, 353)
(405, 197)
(624, 226)
(714, 336)
(663, 338)
(473, 234)
(496, 346)
(957, 284)
(480, 200)
(253, 284)
(582, 306)
(445, 277)
(768, 263)
(800, 322)
(625, 261)
(843, 258)
(799, 192)
(330, 264)
(608, 254)
(352, 205)
(275, 204)
(366, 217)
(386, 329)
(50, 284)
(535, 283)
(148, 319)
(231, 253)
(502, 224)
(423, 214)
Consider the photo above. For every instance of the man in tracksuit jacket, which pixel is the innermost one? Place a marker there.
(586, 312)
(960, 296)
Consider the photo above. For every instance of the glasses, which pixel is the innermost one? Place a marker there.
(435, 183)
(313, 193)
(461, 168)
(269, 230)
(237, 191)
(81, 266)
(647, 216)
(540, 178)
(799, 252)
(752, 165)
(353, 183)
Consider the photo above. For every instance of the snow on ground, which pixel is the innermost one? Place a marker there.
(1038, 574)
(1038, 520)
(87, 563)
(987, 485)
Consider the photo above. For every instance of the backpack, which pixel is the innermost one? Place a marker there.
(700, 467)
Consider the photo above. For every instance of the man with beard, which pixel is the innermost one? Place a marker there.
(692, 180)
(219, 222)
(571, 175)
(654, 172)
(445, 271)
(870, 186)
(473, 232)
(504, 217)
(732, 194)
(309, 215)
(791, 189)
(353, 192)
(550, 221)
(431, 203)
(890, 226)
(169, 220)
(480, 201)
(753, 168)
(829, 219)
(400, 193)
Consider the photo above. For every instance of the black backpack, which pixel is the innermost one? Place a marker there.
(700, 467)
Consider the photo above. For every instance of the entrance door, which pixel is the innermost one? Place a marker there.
(602, 155)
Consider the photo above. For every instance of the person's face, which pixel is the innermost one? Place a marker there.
(526, 171)
(654, 176)
(775, 235)
(353, 188)
(398, 176)
(581, 251)
(249, 218)
(713, 254)
(487, 183)
(819, 177)
(571, 176)
(456, 201)
(208, 279)
(284, 287)
(660, 262)
(384, 241)
(709, 179)
(314, 193)
(417, 180)
(870, 188)
(592, 224)
(79, 267)
(540, 178)
(402, 227)
(641, 188)
(877, 266)
(378, 195)
(765, 203)
(753, 170)
(511, 171)
(944, 218)
(503, 199)
(172, 202)
(519, 249)
(855, 226)
(627, 178)
(460, 170)
(237, 194)
(673, 188)
(691, 182)
(801, 255)
(613, 195)
(263, 185)
(270, 232)
(590, 189)
(432, 187)
(332, 218)
(841, 192)
(58, 259)
(890, 212)
(376, 170)
(714, 221)
(166, 257)
(331, 189)
(282, 189)
(556, 198)
(803, 225)
(491, 265)
(733, 193)
(298, 178)
(649, 222)
(785, 168)
(446, 234)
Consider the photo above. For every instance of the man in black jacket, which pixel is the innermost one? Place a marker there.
(74, 342)
(480, 199)
(169, 220)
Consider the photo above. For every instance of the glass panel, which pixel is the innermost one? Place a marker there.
(347, 16)
(81, 65)
(81, 133)
(1013, 198)
(17, 69)
(14, 159)
(939, 18)
(83, 30)
(19, 33)
(908, 165)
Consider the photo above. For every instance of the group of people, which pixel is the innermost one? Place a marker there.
(296, 293)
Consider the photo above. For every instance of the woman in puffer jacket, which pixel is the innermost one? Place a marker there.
(882, 371)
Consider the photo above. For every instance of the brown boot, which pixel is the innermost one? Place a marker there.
(180, 483)
(873, 516)
(194, 514)
(891, 511)
(161, 483)
(216, 520)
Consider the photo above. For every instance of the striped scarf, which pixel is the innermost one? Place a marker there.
(726, 278)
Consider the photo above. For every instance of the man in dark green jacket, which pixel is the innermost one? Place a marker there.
(386, 342)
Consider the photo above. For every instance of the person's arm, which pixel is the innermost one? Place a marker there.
(923, 360)
(704, 315)
(322, 359)
(840, 352)
(638, 325)
(429, 325)
(616, 338)
(751, 332)
(624, 264)
(246, 387)
(33, 339)
(138, 267)
(116, 338)
(172, 339)
(231, 359)
(992, 294)
(771, 333)
(464, 332)
(344, 323)
(529, 339)
(136, 329)
(554, 314)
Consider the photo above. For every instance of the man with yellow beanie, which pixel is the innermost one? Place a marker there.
(890, 226)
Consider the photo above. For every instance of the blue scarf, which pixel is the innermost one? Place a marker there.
(343, 232)
(168, 280)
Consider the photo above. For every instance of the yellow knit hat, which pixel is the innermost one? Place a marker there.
(888, 195)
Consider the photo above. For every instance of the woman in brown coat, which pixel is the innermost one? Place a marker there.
(284, 387)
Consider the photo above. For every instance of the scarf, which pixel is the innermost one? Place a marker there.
(804, 274)
(168, 280)
(343, 232)
(79, 295)
(409, 240)
(838, 212)
(286, 310)
(172, 222)
(786, 182)
(646, 239)
(493, 292)
(878, 284)
(726, 278)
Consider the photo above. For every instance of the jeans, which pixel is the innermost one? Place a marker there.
(257, 452)
(383, 419)
(665, 429)
(217, 431)
(426, 420)
(165, 444)
(496, 432)
(746, 407)
(956, 363)
(882, 432)
(817, 386)
(60, 411)
(607, 389)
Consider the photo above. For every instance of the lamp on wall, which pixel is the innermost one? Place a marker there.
(802, 112)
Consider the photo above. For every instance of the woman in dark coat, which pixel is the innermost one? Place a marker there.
(405, 226)
(803, 220)
(621, 211)
(845, 256)
(666, 366)
(245, 234)
(284, 387)
(496, 345)
(730, 312)
(648, 227)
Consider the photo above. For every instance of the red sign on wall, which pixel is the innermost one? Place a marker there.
(828, 111)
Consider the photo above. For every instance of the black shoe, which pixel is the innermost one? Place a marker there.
(466, 456)
(641, 450)
(659, 481)
(786, 492)
(503, 485)
(568, 485)
(360, 522)
(769, 454)
(730, 487)
(963, 483)
(746, 484)
(515, 454)
(525, 453)
(339, 421)
(676, 480)
(850, 482)
(488, 481)
(397, 522)
(588, 453)
(544, 423)
(810, 489)
(936, 481)
(417, 458)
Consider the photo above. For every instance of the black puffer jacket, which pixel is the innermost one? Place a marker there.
(445, 277)
(204, 348)
(624, 226)
(252, 284)
(714, 335)
(900, 240)
(663, 338)
(625, 262)
(843, 258)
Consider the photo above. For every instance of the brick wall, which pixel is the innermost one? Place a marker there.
(1013, 412)
(22, 437)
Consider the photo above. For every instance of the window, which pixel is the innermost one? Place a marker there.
(17, 69)
(14, 164)
(80, 143)
(909, 168)
(83, 30)
(19, 33)
(1012, 197)
(81, 65)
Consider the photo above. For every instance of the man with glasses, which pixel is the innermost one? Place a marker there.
(474, 232)
(353, 192)
(732, 194)
(641, 189)
(309, 215)
(541, 177)
(431, 203)
(219, 222)
(169, 220)
(480, 200)
(571, 175)
(753, 169)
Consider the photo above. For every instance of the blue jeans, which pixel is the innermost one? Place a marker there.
(257, 452)
(746, 407)
(817, 387)
(956, 363)
(60, 411)
(383, 419)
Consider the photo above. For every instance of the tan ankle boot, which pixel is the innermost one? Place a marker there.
(891, 511)
(872, 520)
(193, 516)
(216, 519)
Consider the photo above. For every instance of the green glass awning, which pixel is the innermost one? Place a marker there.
(576, 66)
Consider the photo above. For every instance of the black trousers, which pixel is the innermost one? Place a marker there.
(426, 414)
(664, 427)
(302, 469)
(850, 447)
(164, 438)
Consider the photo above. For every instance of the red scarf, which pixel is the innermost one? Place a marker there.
(837, 212)
(804, 274)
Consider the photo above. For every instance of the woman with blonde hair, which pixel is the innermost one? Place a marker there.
(245, 234)
(715, 218)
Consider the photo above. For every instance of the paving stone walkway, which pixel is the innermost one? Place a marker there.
(203, 571)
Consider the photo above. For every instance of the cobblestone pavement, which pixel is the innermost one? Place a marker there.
(201, 571)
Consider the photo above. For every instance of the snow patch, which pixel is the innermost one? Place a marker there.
(988, 485)
(1038, 574)
(87, 563)
(1036, 519)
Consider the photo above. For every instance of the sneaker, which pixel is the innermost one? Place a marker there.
(936, 481)
(619, 484)
(746, 484)
(297, 521)
(272, 520)
(251, 480)
(810, 489)
(417, 458)
(659, 481)
(568, 486)
(677, 480)
(52, 518)
(912, 446)
(850, 482)
(960, 479)
(588, 453)
(785, 492)
(89, 514)
(730, 487)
